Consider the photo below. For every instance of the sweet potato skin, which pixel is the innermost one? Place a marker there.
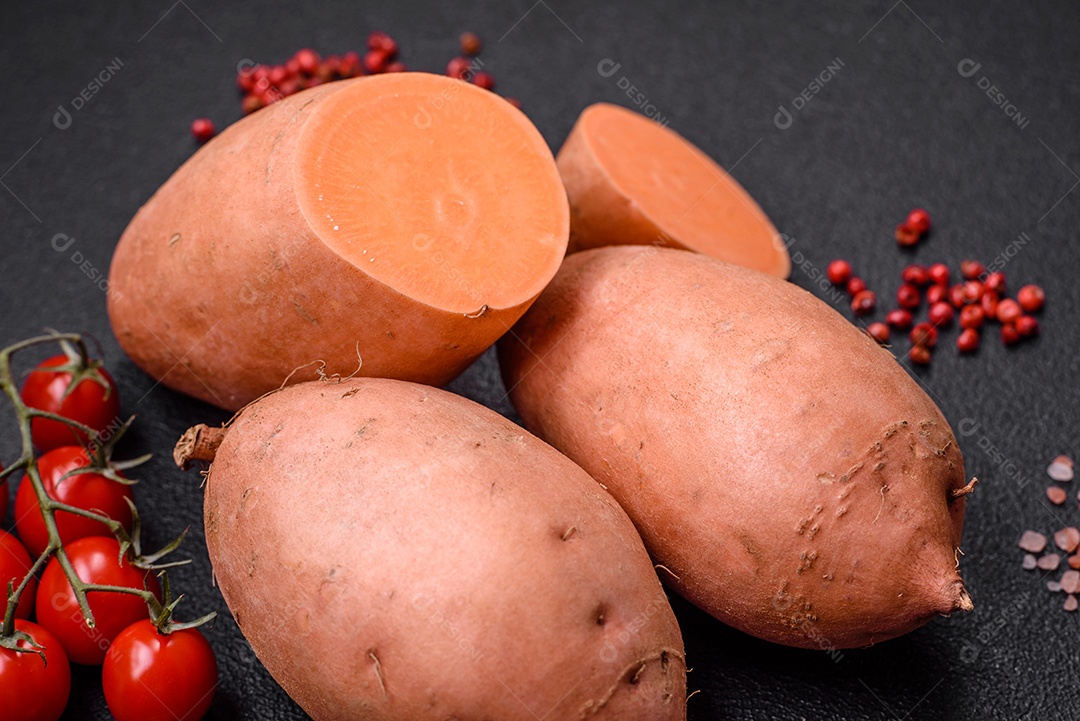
(793, 479)
(395, 552)
(220, 289)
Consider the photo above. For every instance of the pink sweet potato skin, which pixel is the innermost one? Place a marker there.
(394, 552)
(791, 477)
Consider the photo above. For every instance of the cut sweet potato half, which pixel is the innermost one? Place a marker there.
(632, 181)
(408, 218)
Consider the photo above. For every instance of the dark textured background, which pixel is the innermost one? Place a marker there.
(897, 127)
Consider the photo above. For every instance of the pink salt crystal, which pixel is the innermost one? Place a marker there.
(1070, 581)
(1053, 586)
(1061, 469)
(1029, 562)
(1071, 603)
(1032, 542)
(1056, 495)
(1067, 539)
(1049, 562)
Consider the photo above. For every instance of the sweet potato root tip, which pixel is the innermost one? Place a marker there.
(959, 493)
(775, 468)
(964, 601)
(199, 443)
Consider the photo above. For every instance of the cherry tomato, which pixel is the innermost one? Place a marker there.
(95, 560)
(89, 491)
(15, 563)
(32, 688)
(90, 403)
(149, 676)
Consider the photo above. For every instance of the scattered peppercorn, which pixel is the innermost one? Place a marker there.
(906, 235)
(972, 317)
(971, 269)
(470, 44)
(941, 314)
(956, 295)
(855, 285)
(995, 281)
(379, 40)
(968, 340)
(920, 355)
(839, 272)
(939, 273)
(863, 302)
(458, 68)
(973, 291)
(485, 80)
(307, 61)
(919, 219)
(907, 296)
(936, 294)
(1008, 311)
(1031, 298)
(263, 85)
(916, 275)
(1027, 326)
(899, 319)
(203, 129)
(879, 332)
(924, 334)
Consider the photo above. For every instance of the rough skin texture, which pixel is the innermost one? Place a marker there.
(220, 288)
(795, 482)
(396, 552)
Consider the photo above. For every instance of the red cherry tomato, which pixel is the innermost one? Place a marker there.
(90, 403)
(95, 560)
(149, 676)
(32, 688)
(89, 491)
(15, 563)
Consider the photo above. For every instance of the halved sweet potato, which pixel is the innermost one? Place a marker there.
(406, 218)
(632, 181)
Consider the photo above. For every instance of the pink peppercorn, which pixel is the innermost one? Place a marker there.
(203, 129)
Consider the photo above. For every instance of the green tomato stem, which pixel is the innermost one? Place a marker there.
(73, 346)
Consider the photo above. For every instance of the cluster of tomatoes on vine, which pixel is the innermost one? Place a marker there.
(74, 563)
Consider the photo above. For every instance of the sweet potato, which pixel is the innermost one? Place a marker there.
(396, 552)
(788, 474)
(406, 218)
(632, 181)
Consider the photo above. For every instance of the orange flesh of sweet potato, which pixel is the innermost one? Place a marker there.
(394, 552)
(408, 218)
(631, 181)
(788, 473)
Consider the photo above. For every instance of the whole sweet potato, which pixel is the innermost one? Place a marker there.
(793, 480)
(396, 552)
